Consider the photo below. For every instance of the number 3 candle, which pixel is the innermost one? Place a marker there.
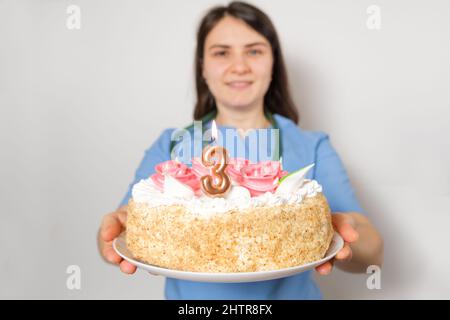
(218, 183)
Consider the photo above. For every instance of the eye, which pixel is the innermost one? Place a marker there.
(220, 53)
(255, 52)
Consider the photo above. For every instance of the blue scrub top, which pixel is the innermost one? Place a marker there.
(300, 148)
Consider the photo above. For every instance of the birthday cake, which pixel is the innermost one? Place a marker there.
(267, 219)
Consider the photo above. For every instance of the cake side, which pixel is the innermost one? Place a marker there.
(246, 240)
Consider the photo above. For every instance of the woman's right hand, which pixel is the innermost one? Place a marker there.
(112, 225)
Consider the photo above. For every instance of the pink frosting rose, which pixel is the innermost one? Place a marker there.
(262, 177)
(178, 170)
(235, 165)
(198, 168)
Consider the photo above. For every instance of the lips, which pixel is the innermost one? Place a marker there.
(239, 84)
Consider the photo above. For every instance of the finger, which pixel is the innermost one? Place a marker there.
(111, 227)
(110, 254)
(344, 225)
(122, 215)
(127, 267)
(345, 253)
(325, 268)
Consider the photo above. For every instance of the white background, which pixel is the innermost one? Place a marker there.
(79, 107)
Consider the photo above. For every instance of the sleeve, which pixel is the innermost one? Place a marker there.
(158, 152)
(330, 173)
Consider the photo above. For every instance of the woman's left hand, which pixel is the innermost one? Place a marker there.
(345, 225)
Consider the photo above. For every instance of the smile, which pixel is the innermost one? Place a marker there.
(239, 84)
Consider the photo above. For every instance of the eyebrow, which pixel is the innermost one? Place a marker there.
(225, 46)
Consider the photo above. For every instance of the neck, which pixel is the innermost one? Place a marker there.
(245, 119)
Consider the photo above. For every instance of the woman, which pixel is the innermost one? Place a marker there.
(241, 80)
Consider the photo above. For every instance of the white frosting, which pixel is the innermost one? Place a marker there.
(237, 198)
(174, 188)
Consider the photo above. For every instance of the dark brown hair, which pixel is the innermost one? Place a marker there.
(277, 99)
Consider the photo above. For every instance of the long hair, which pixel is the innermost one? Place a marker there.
(277, 98)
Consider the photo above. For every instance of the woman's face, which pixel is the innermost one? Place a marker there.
(237, 64)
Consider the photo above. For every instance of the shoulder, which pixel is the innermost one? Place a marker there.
(163, 141)
(166, 135)
(292, 132)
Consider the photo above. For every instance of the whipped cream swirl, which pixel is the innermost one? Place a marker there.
(145, 191)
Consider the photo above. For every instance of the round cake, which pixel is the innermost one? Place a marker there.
(267, 220)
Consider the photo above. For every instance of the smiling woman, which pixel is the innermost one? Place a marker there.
(240, 68)
(237, 65)
(241, 81)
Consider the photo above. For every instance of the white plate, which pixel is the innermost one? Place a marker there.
(119, 245)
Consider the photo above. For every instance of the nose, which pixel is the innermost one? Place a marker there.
(239, 64)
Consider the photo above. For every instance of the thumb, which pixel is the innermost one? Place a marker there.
(111, 227)
(345, 225)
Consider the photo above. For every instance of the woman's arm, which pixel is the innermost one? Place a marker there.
(363, 244)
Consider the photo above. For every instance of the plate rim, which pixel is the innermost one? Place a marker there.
(229, 276)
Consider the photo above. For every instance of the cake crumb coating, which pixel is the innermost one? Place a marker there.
(254, 239)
